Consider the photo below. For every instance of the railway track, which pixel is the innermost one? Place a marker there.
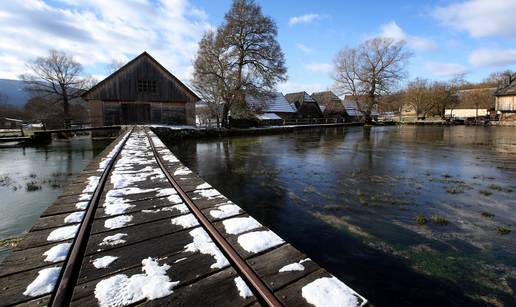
(143, 211)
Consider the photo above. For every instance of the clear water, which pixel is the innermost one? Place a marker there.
(31, 178)
(349, 197)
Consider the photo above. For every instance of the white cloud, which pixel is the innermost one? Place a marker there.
(98, 31)
(439, 69)
(492, 57)
(307, 18)
(319, 67)
(290, 87)
(392, 30)
(480, 18)
(304, 48)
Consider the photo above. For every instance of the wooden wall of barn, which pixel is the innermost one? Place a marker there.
(506, 103)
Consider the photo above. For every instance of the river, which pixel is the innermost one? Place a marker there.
(407, 216)
(31, 178)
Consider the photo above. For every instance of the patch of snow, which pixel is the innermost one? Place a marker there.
(185, 221)
(292, 267)
(203, 186)
(116, 205)
(210, 194)
(114, 239)
(93, 181)
(175, 199)
(329, 291)
(243, 289)
(63, 233)
(44, 283)
(181, 208)
(257, 241)
(75, 217)
(225, 210)
(202, 243)
(85, 196)
(57, 253)
(166, 191)
(82, 205)
(117, 222)
(181, 171)
(128, 191)
(170, 158)
(238, 225)
(103, 262)
(120, 290)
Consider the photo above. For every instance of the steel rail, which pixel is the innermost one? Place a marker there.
(70, 273)
(258, 287)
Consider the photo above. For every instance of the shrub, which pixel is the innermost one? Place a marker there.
(439, 220)
(421, 219)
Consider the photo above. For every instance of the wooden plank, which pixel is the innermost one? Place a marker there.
(37, 238)
(42, 301)
(27, 259)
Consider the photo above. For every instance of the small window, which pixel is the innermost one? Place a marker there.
(147, 86)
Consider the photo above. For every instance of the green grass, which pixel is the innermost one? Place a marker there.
(32, 186)
(421, 219)
(503, 231)
(486, 214)
(485, 192)
(439, 220)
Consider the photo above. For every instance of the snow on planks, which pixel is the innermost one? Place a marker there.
(145, 246)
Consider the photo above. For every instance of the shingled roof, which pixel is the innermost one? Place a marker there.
(275, 104)
(509, 90)
(329, 102)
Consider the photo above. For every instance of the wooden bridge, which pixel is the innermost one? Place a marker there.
(137, 227)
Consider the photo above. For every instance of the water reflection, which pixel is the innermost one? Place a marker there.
(349, 198)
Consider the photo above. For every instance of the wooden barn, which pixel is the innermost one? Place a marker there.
(330, 104)
(505, 101)
(305, 105)
(141, 92)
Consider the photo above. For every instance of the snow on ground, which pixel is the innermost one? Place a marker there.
(182, 171)
(210, 194)
(296, 266)
(63, 233)
(225, 210)
(128, 191)
(116, 205)
(243, 289)
(166, 192)
(238, 225)
(257, 241)
(202, 243)
(93, 181)
(185, 221)
(82, 205)
(117, 222)
(44, 283)
(85, 196)
(329, 291)
(169, 158)
(180, 259)
(120, 290)
(75, 217)
(175, 199)
(103, 262)
(203, 186)
(57, 253)
(114, 239)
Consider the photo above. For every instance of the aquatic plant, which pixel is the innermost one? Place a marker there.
(439, 220)
(485, 192)
(10, 242)
(454, 190)
(495, 187)
(32, 186)
(502, 230)
(486, 214)
(421, 219)
(32, 175)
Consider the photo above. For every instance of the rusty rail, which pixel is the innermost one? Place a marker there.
(258, 287)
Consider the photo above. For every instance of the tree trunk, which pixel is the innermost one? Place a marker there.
(66, 111)
(225, 113)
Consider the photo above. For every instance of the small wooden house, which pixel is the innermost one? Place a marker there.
(330, 104)
(275, 107)
(505, 101)
(353, 106)
(305, 105)
(141, 92)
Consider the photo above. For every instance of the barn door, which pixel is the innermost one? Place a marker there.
(135, 113)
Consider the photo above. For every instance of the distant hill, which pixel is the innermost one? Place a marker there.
(14, 91)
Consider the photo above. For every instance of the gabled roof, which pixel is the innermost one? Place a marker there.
(508, 90)
(276, 104)
(131, 63)
(351, 105)
(299, 96)
(325, 97)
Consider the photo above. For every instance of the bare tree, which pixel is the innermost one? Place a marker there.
(418, 96)
(56, 78)
(479, 99)
(443, 95)
(113, 66)
(241, 58)
(371, 70)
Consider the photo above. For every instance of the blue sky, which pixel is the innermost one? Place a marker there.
(446, 38)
